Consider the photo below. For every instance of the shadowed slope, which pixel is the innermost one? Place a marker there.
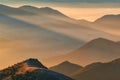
(109, 23)
(30, 69)
(45, 35)
(42, 11)
(66, 68)
(56, 21)
(100, 71)
(94, 51)
(29, 38)
(13, 11)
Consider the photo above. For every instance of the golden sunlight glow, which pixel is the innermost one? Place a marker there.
(89, 14)
(44, 36)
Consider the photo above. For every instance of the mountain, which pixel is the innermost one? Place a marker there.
(41, 11)
(99, 49)
(54, 20)
(66, 68)
(12, 11)
(109, 23)
(100, 71)
(30, 69)
(28, 10)
(44, 34)
(29, 38)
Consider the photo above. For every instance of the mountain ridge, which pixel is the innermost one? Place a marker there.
(30, 69)
(66, 68)
(100, 71)
(42, 10)
(100, 48)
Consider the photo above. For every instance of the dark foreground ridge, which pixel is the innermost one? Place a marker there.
(30, 69)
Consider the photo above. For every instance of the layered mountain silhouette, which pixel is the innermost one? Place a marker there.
(41, 11)
(51, 36)
(13, 11)
(30, 38)
(46, 32)
(107, 19)
(30, 69)
(99, 49)
(66, 68)
(99, 71)
(109, 23)
(56, 21)
(28, 11)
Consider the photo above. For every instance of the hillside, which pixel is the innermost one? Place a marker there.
(30, 69)
(66, 68)
(108, 23)
(97, 50)
(44, 34)
(29, 38)
(100, 71)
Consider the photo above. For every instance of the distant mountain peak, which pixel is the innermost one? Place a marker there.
(100, 40)
(111, 15)
(28, 7)
(42, 10)
(101, 44)
(108, 18)
(66, 62)
(49, 10)
(1, 6)
(94, 65)
(100, 71)
(66, 68)
(116, 61)
(7, 10)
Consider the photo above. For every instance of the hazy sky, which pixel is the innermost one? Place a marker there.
(62, 0)
(78, 9)
(69, 3)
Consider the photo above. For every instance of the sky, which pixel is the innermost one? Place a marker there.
(78, 9)
(61, 0)
(67, 3)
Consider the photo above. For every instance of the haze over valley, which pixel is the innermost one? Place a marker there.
(28, 29)
(59, 40)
